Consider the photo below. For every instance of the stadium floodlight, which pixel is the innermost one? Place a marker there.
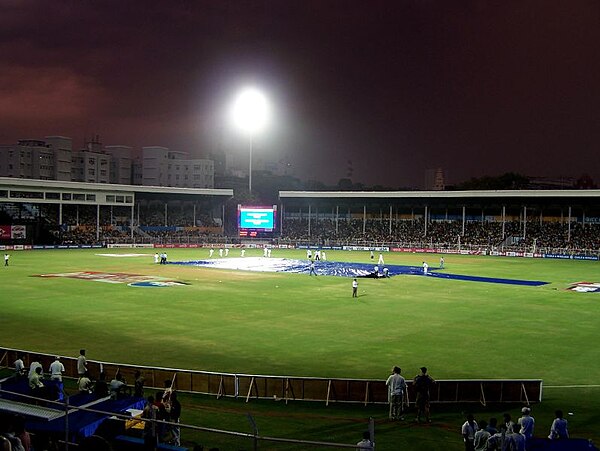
(250, 114)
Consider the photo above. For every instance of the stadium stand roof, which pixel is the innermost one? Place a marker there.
(14, 183)
(483, 194)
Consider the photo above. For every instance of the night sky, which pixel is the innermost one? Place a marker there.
(476, 87)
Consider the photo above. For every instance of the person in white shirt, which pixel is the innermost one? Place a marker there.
(269, 252)
(220, 252)
(211, 251)
(365, 444)
(56, 369)
(380, 261)
(156, 258)
(323, 256)
(20, 366)
(226, 251)
(81, 363)
(468, 432)
(527, 423)
(6, 257)
(243, 253)
(33, 367)
(354, 288)
(308, 254)
(397, 390)
(558, 430)
(425, 268)
(265, 252)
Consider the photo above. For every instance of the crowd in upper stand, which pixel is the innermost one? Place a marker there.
(517, 236)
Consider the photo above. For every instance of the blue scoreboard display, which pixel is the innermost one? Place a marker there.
(256, 221)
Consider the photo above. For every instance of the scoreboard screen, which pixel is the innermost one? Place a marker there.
(256, 221)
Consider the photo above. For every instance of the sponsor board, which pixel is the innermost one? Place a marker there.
(585, 287)
(365, 248)
(132, 280)
(129, 246)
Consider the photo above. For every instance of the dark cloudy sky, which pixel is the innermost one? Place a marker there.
(477, 87)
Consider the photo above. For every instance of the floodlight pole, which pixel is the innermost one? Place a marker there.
(250, 166)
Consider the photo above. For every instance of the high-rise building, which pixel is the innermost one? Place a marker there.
(121, 164)
(62, 148)
(434, 180)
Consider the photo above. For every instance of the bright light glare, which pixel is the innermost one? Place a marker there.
(250, 110)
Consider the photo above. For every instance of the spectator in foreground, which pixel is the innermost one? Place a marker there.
(468, 430)
(482, 436)
(85, 384)
(365, 444)
(20, 366)
(117, 386)
(527, 423)
(81, 363)
(101, 387)
(138, 385)
(558, 430)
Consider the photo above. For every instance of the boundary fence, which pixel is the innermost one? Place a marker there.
(297, 388)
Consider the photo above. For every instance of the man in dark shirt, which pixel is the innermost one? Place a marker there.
(422, 384)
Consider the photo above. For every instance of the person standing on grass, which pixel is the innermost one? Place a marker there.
(6, 257)
(312, 269)
(468, 430)
(442, 262)
(396, 385)
(425, 268)
(354, 288)
(527, 423)
(81, 363)
(422, 383)
(482, 436)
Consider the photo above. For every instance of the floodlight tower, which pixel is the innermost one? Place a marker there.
(250, 114)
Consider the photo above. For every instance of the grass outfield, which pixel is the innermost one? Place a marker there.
(293, 324)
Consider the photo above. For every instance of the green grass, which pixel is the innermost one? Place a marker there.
(290, 324)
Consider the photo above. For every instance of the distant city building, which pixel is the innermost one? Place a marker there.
(163, 167)
(62, 147)
(551, 182)
(54, 159)
(90, 164)
(121, 164)
(434, 180)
